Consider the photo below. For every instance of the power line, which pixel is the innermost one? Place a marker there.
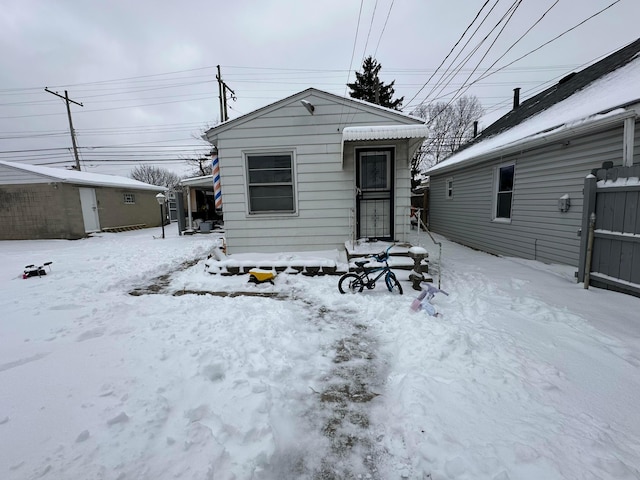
(548, 42)
(366, 43)
(450, 75)
(383, 28)
(515, 6)
(451, 51)
(353, 52)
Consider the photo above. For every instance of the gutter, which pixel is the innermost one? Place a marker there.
(540, 140)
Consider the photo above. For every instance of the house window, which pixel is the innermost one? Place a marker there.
(504, 192)
(449, 187)
(270, 182)
(129, 199)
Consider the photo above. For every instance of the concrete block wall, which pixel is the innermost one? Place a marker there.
(42, 210)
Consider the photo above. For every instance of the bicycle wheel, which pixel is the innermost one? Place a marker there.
(393, 284)
(350, 282)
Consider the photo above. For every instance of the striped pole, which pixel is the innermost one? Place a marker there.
(217, 192)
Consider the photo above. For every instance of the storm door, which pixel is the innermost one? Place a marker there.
(374, 187)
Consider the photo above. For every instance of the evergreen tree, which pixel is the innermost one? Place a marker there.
(368, 86)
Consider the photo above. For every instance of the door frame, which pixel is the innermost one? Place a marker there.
(391, 150)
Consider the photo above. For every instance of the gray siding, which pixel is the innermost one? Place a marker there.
(324, 186)
(538, 230)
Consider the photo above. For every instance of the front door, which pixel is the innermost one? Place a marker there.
(374, 186)
(89, 210)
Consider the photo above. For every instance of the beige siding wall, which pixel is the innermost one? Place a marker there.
(538, 230)
(113, 212)
(324, 187)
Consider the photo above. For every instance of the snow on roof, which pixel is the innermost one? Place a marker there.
(84, 178)
(384, 132)
(616, 89)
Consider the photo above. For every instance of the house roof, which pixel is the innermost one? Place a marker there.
(83, 178)
(384, 132)
(347, 102)
(595, 95)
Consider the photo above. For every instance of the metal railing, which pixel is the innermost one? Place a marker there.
(418, 236)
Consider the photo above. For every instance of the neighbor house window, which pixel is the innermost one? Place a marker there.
(449, 187)
(270, 182)
(504, 192)
(129, 199)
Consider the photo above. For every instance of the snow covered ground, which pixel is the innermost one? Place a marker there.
(525, 375)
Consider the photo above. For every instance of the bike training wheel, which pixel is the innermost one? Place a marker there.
(350, 282)
(393, 284)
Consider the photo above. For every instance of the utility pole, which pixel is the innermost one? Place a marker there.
(73, 133)
(222, 89)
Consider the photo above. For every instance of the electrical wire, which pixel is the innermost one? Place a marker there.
(548, 42)
(507, 15)
(451, 51)
(515, 6)
(383, 28)
(366, 43)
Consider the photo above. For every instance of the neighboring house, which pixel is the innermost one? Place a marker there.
(198, 199)
(41, 202)
(315, 170)
(517, 189)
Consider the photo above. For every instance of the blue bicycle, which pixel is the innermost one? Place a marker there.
(363, 276)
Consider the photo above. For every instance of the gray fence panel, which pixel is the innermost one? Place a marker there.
(615, 261)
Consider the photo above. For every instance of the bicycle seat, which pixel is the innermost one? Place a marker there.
(361, 263)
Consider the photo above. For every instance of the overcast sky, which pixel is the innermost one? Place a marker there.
(145, 70)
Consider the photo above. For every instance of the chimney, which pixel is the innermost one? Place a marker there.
(475, 129)
(516, 98)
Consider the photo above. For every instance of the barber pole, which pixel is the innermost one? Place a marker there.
(217, 192)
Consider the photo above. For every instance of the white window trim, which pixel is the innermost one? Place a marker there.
(448, 190)
(294, 181)
(496, 184)
(130, 195)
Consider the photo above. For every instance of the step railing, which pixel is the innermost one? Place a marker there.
(418, 231)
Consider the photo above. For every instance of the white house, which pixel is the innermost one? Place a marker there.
(315, 170)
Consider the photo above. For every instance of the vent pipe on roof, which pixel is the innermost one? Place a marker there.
(516, 98)
(475, 129)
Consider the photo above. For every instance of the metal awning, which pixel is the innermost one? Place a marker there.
(384, 132)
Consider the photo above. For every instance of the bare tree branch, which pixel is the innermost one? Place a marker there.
(450, 127)
(155, 176)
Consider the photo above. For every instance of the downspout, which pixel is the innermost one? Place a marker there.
(627, 143)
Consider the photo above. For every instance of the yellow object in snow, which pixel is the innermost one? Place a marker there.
(259, 276)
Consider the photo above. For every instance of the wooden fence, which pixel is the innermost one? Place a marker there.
(613, 194)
